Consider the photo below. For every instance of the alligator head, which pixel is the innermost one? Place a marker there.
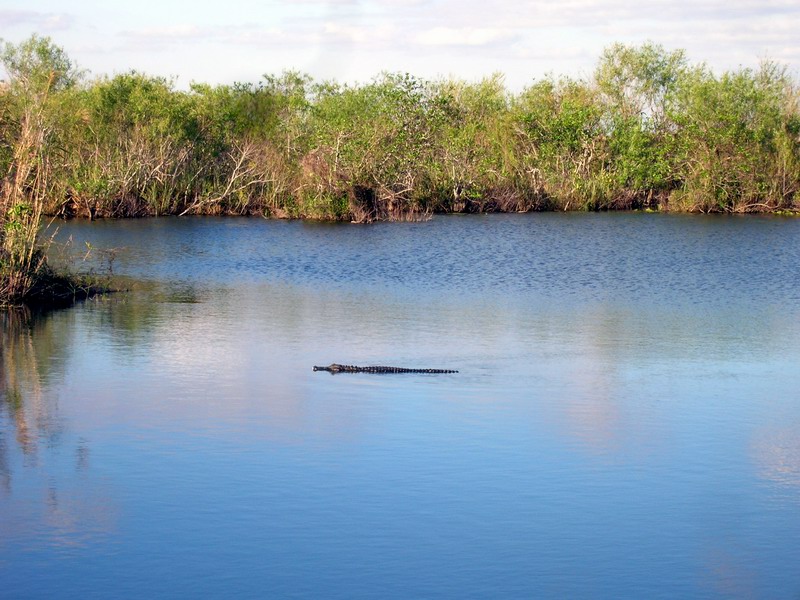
(333, 368)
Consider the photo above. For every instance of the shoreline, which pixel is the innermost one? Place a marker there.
(421, 216)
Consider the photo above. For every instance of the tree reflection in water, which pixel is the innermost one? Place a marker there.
(18, 372)
(66, 497)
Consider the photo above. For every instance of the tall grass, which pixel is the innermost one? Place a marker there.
(35, 122)
(36, 70)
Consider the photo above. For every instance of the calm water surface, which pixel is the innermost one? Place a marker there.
(625, 423)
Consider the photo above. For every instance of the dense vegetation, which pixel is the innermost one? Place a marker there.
(647, 130)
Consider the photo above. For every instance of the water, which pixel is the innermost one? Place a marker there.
(625, 422)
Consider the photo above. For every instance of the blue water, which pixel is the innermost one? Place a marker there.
(625, 422)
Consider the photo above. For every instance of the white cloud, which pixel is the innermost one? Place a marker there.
(44, 21)
(463, 36)
(322, 2)
(356, 34)
(166, 34)
(356, 39)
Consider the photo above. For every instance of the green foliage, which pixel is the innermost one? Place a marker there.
(638, 88)
(647, 130)
(38, 74)
(640, 82)
(561, 117)
(37, 66)
(562, 129)
(641, 160)
(474, 160)
(735, 139)
(133, 101)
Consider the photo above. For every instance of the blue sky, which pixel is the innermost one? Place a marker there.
(353, 40)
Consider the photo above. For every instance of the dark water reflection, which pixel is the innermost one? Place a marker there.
(625, 422)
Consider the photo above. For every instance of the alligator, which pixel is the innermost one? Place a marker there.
(336, 368)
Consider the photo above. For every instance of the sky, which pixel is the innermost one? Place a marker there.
(224, 41)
